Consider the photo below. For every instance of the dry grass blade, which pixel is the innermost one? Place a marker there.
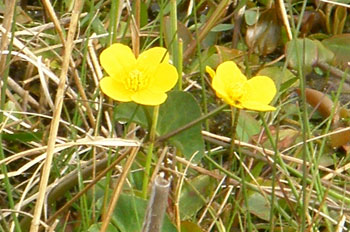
(117, 190)
(50, 10)
(268, 152)
(56, 116)
(8, 16)
(97, 141)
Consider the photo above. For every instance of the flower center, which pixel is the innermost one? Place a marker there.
(136, 81)
(237, 91)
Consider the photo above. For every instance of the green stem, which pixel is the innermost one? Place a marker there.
(173, 29)
(234, 116)
(5, 69)
(179, 68)
(152, 136)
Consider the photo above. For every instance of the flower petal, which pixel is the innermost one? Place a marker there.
(117, 60)
(149, 97)
(115, 89)
(220, 88)
(229, 73)
(227, 77)
(210, 71)
(164, 78)
(231, 102)
(261, 89)
(153, 57)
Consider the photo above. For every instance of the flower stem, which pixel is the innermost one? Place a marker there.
(234, 116)
(152, 136)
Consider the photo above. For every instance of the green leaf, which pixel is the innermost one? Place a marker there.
(129, 215)
(259, 206)
(187, 226)
(97, 227)
(179, 109)
(98, 28)
(194, 194)
(280, 77)
(251, 17)
(132, 112)
(303, 51)
(339, 44)
(130, 212)
(247, 126)
(222, 27)
(23, 136)
(308, 52)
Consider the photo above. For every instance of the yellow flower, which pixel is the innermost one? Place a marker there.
(232, 86)
(143, 80)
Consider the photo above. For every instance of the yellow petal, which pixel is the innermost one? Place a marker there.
(231, 102)
(261, 89)
(115, 89)
(220, 88)
(117, 60)
(227, 77)
(210, 71)
(153, 57)
(164, 78)
(229, 73)
(148, 97)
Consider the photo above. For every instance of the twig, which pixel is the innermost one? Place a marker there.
(156, 205)
(333, 70)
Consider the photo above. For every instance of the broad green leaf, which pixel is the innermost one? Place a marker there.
(339, 44)
(132, 112)
(187, 226)
(251, 17)
(194, 194)
(308, 52)
(259, 206)
(302, 51)
(324, 54)
(129, 215)
(279, 76)
(97, 227)
(179, 109)
(98, 28)
(222, 27)
(130, 212)
(247, 126)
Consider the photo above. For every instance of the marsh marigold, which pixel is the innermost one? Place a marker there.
(144, 80)
(231, 85)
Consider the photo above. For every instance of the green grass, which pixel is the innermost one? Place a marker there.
(281, 172)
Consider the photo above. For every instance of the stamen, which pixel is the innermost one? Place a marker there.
(237, 91)
(136, 81)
